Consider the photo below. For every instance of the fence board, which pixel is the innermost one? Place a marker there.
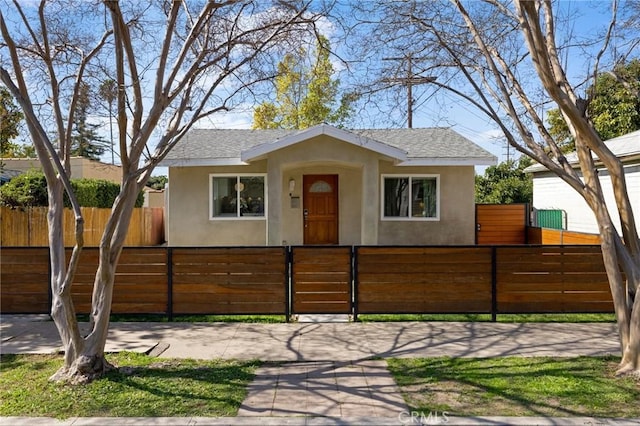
(28, 227)
(191, 307)
(226, 279)
(554, 307)
(558, 236)
(227, 268)
(465, 279)
(426, 307)
(227, 289)
(321, 307)
(427, 293)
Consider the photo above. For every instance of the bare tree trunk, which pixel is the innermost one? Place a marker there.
(88, 361)
(627, 310)
(62, 310)
(630, 363)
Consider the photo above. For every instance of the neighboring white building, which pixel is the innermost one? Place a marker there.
(550, 192)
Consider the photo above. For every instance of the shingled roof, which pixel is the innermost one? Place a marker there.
(427, 146)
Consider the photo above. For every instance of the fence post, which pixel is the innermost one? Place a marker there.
(494, 285)
(354, 282)
(170, 283)
(288, 266)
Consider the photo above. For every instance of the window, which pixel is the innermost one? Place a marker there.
(410, 197)
(320, 186)
(235, 196)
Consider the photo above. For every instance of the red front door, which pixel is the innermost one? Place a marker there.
(320, 209)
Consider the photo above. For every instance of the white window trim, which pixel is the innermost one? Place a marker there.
(410, 218)
(237, 176)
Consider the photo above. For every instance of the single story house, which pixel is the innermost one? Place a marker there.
(552, 193)
(322, 185)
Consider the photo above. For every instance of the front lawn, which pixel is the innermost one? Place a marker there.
(147, 386)
(516, 386)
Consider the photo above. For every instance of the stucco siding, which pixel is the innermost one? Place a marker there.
(321, 155)
(456, 224)
(188, 211)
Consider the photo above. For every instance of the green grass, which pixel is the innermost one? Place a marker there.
(486, 317)
(265, 319)
(515, 386)
(275, 319)
(147, 386)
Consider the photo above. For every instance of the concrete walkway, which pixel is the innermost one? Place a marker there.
(324, 388)
(328, 341)
(325, 373)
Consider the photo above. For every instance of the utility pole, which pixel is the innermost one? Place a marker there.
(409, 81)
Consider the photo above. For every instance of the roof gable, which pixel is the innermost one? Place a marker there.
(260, 151)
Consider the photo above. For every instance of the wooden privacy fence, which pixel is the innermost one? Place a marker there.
(350, 280)
(542, 279)
(140, 285)
(28, 228)
(321, 280)
(228, 280)
(559, 236)
(552, 279)
(423, 279)
(24, 280)
(502, 223)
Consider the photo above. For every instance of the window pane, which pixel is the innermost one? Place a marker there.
(251, 196)
(320, 186)
(396, 197)
(224, 196)
(423, 192)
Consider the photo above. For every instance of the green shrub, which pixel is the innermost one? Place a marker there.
(26, 190)
(30, 190)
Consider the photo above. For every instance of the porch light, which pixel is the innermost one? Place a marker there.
(292, 186)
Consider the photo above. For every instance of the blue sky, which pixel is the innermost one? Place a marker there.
(591, 17)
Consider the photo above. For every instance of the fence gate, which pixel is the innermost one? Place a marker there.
(498, 224)
(321, 280)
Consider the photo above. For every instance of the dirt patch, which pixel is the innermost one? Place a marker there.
(458, 398)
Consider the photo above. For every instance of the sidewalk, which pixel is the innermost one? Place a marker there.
(328, 341)
(325, 373)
